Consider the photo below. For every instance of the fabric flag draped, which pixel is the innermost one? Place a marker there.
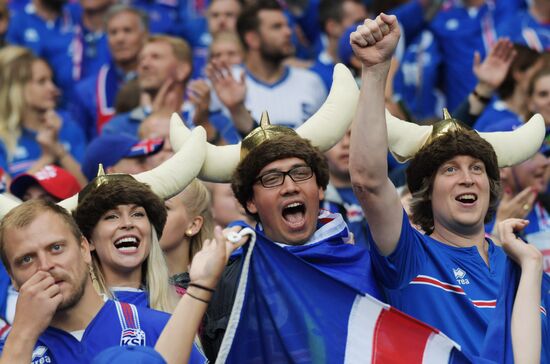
(288, 311)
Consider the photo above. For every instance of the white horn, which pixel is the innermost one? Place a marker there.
(220, 161)
(324, 128)
(328, 125)
(405, 138)
(7, 203)
(174, 174)
(513, 147)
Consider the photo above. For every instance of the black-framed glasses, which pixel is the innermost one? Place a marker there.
(277, 178)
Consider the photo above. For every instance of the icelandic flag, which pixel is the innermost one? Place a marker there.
(287, 310)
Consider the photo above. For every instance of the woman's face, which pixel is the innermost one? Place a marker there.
(540, 99)
(40, 92)
(122, 239)
(177, 223)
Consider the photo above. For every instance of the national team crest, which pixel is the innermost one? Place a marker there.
(132, 337)
(132, 334)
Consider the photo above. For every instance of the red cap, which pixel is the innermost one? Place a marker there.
(53, 179)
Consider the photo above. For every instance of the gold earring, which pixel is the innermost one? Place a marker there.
(189, 232)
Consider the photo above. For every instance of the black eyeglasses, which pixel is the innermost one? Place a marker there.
(277, 178)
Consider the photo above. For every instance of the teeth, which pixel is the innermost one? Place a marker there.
(127, 248)
(127, 240)
(295, 204)
(467, 197)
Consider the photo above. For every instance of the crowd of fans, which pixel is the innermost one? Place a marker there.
(92, 86)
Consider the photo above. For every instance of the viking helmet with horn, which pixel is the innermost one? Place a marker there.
(324, 129)
(166, 180)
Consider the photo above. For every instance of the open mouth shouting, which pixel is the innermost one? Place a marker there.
(466, 198)
(294, 214)
(127, 244)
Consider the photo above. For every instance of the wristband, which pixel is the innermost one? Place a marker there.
(482, 99)
(202, 287)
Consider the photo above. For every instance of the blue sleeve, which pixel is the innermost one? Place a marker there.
(397, 269)
(14, 33)
(411, 18)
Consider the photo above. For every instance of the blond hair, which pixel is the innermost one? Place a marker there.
(15, 73)
(197, 202)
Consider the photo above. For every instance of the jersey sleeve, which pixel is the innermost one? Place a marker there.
(396, 270)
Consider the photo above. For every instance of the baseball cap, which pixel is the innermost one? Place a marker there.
(109, 149)
(129, 354)
(53, 179)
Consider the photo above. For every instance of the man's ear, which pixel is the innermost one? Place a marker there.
(251, 206)
(183, 71)
(252, 39)
(321, 194)
(85, 249)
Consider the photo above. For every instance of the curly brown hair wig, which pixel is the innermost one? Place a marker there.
(123, 191)
(422, 169)
(286, 146)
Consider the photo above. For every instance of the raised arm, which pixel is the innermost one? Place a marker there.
(526, 316)
(206, 270)
(374, 43)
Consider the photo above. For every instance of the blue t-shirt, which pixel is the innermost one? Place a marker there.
(493, 114)
(460, 31)
(114, 325)
(347, 204)
(28, 150)
(136, 297)
(50, 40)
(450, 288)
(416, 81)
(524, 29)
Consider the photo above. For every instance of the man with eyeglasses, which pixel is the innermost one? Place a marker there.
(280, 183)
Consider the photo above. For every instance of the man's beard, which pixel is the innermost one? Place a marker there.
(76, 295)
(275, 56)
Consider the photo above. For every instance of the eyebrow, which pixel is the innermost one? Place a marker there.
(279, 170)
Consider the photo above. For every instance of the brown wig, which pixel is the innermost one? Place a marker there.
(287, 146)
(109, 195)
(423, 167)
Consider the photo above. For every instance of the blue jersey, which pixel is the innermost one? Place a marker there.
(343, 201)
(493, 114)
(136, 297)
(416, 81)
(116, 324)
(28, 150)
(324, 68)
(524, 29)
(50, 40)
(450, 288)
(164, 15)
(94, 101)
(461, 31)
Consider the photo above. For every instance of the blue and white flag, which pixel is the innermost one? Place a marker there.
(290, 310)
